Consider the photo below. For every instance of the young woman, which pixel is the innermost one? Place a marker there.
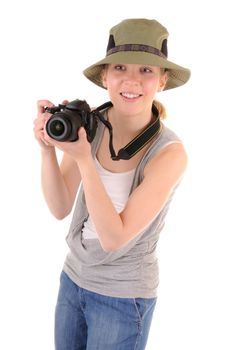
(108, 286)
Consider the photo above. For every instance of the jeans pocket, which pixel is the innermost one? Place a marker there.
(144, 306)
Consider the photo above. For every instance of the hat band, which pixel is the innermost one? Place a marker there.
(136, 47)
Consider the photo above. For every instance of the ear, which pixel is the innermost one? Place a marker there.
(163, 81)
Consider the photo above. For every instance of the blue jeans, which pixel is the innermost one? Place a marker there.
(86, 320)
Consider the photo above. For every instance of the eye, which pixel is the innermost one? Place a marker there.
(146, 70)
(119, 67)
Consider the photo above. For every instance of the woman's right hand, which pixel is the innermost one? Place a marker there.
(40, 122)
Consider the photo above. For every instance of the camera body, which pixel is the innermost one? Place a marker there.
(66, 120)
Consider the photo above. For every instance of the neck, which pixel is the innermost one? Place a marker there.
(126, 127)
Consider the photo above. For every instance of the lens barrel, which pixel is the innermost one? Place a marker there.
(59, 128)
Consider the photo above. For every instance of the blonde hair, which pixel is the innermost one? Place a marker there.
(161, 109)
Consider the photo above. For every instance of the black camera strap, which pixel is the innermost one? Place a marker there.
(134, 146)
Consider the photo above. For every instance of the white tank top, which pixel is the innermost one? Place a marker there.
(118, 186)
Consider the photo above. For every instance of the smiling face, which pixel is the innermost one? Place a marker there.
(132, 87)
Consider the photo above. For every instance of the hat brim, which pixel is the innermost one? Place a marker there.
(177, 75)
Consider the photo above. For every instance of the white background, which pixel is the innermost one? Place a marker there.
(45, 45)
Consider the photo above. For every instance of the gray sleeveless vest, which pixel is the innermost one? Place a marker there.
(132, 270)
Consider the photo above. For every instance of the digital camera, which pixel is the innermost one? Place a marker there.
(66, 120)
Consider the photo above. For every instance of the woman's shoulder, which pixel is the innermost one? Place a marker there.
(165, 138)
(169, 134)
(167, 152)
(166, 148)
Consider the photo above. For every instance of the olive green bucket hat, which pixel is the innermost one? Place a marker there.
(139, 41)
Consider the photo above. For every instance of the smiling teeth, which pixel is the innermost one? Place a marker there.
(129, 95)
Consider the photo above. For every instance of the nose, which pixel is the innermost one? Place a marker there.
(132, 77)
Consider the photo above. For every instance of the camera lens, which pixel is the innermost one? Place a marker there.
(58, 128)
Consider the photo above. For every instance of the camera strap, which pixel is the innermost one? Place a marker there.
(135, 145)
